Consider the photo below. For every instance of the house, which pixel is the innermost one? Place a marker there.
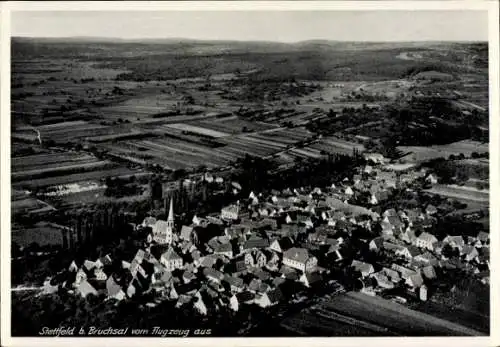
(348, 191)
(281, 245)
(255, 242)
(188, 276)
(103, 261)
(395, 222)
(426, 240)
(408, 252)
(171, 260)
(382, 280)
(73, 267)
(186, 233)
(84, 288)
(483, 237)
(81, 276)
(376, 158)
(311, 278)
(365, 268)
(257, 286)
(429, 272)
(299, 258)
(318, 237)
(199, 304)
(470, 253)
(404, 271)
(255, 258)
(454, 242)
(225, 249)
(431, 210)
(88, 265)
(213, 275)
(114, 290)
(289, 273)
(269, 298)
(408, 236)
(236, 284)
(423, 293)
(99, 274)
(183, 300)
(432, 179)
(391, 274)
(238, 299)
(426, 258)
(377, 244)
(230, 213)
(415, 281)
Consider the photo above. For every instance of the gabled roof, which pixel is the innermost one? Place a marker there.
(160, 226)
(300, 255)
(256, 242)
(88, 265)
(483, 236)
(149, 221)
(362, 266)
(170, 254)
(234, 281)
(429, 272)
(313, 277)
(275, 295)
(86, 288)
(112, 287)
(106, 260)
(223, 248)
(245, 296)
(425, 236)
(186, 232)
(209, 272)
(416, 280)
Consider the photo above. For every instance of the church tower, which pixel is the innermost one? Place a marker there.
(163, 231)
(170, 219)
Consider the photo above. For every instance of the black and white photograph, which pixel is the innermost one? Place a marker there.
(249, 173)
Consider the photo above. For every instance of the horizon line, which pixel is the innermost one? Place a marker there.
(242, 40)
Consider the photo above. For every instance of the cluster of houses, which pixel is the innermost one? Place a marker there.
(270, 249)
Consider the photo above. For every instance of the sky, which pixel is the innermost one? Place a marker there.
(282, 26)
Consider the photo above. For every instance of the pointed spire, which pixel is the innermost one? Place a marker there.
(171, 211)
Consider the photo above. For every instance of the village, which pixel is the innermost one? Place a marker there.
(292, 246)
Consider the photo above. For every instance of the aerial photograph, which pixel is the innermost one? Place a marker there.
(249, 174)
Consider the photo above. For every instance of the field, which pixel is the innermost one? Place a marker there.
(380, 317)
(185, 106)
(420, 154)
(41, 233)
(463, 193)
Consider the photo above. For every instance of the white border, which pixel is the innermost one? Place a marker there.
(490, 5)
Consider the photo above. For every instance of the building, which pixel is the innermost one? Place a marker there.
(366, 269)
(300, 259)
(163, 232)
(426, 240)
(230, 212)
(171, 260)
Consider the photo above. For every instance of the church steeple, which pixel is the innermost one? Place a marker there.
(170, 218)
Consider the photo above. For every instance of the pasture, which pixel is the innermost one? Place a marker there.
(397, 318)
(421, 153)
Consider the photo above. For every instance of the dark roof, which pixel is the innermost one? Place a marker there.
(112, 287)
(256, 243)
(233, 281)
(209, 272)
(275, 295)
(223, 248)
(245, 296)
(300, 255)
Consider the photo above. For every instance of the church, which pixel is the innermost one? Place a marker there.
(163, 231)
